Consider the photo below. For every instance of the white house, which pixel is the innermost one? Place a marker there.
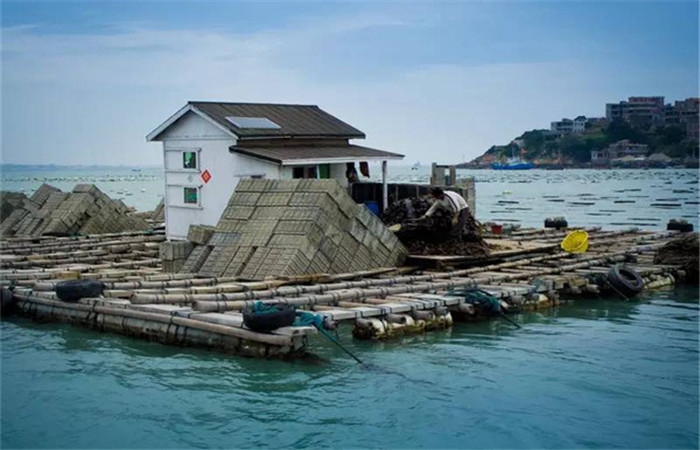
(568, 126)
(618, 150)
(209, 146)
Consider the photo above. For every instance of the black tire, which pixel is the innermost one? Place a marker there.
(625, 280)
(8, 302)
(680, 226)
(74, 290)
(549, 223)
(266, 322)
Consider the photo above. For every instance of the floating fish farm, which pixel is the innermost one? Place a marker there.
(526, 269)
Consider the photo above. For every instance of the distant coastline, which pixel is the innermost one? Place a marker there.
(59, 167)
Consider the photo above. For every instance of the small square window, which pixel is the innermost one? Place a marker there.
(189, 160)
(190, 195)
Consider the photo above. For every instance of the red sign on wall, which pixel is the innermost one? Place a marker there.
(206, 176)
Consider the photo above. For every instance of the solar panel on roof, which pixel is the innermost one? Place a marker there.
(261, 123)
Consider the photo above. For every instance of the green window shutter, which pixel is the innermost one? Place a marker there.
(190, 195)
(324, 171)
(189, 160)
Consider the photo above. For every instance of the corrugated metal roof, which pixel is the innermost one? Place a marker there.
(291, 155)
(294, 120)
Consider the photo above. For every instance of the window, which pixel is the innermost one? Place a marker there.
(189, 160)
(191, 195)
(324, 171)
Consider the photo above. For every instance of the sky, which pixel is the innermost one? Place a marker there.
(84, 82)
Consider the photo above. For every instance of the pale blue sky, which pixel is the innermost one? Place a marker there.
(84, 82)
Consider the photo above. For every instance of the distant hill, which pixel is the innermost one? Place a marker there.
(545, 146)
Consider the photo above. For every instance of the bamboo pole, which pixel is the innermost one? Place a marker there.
(354, 294)
(320, 288)
(271, 339)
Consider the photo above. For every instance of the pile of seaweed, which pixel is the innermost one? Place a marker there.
(683, 251)
(432, 236)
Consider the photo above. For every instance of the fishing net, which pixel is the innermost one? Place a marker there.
(682, 251)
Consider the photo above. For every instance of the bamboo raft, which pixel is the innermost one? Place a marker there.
(181, 309)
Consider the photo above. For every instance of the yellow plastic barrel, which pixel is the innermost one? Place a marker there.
(575, 242)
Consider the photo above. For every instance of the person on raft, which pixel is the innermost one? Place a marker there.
(453, 202)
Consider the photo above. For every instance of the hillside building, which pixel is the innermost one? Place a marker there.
(619, 149)
(643, 111)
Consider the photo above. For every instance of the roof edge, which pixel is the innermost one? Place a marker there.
(250, 103)
(335, 159)
(255, 137)
(153, 135)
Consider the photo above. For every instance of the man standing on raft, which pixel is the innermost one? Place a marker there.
(453, 202)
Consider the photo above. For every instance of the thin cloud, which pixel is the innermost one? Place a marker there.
(92, 97)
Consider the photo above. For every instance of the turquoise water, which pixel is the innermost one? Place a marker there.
(589, 374)
(140, 187)
(612, 199)
(593, 374)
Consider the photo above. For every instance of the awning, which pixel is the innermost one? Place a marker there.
(300, 155)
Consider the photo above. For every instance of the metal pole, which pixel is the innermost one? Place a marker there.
(385, 188)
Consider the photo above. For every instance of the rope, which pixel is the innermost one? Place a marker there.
(600, 278)
(536, 283)
(486, 302)
(309, 319)
(264, 308)
(306, 319)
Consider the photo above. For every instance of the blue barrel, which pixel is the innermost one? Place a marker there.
(373, 206)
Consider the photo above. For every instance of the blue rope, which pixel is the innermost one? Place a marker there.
(536, 285)
(305, 319)
(484, 301)
(264, 308)
(480, 299)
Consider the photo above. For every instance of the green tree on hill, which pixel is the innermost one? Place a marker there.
(541, 144)
(619, 130)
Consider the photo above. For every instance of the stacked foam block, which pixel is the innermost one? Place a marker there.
(174, 253)
(85, 210)
(276, 228)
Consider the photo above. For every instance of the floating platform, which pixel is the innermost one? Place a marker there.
(526, 270)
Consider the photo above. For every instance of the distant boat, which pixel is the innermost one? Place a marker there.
(513, 164)
(416, 166)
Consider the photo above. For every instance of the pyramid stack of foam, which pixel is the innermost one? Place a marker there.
(12, 207)
(27, 218)
(86, 210)
(274, 228)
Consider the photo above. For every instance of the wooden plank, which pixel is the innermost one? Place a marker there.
(163, 309)
(516, 249)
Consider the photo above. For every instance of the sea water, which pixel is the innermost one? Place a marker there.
(590, 374)
(601, 373)
(613, 199)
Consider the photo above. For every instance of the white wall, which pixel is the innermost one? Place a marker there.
(338, 173)
(193, 133)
